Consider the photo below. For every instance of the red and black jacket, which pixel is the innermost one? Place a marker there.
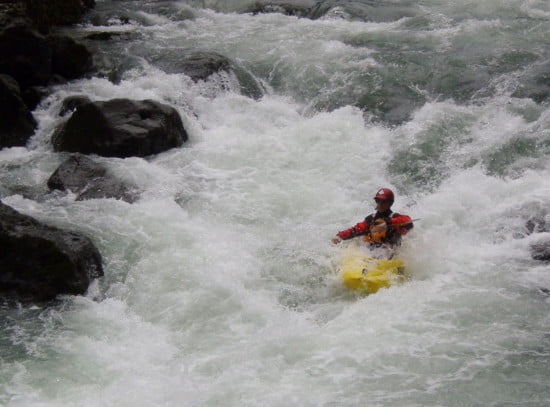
(380, 228)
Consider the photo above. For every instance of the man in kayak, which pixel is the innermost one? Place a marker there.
(381, 229)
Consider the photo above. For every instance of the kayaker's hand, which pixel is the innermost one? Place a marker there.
(336, 240)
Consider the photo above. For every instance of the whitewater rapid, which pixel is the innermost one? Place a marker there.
(221, 285)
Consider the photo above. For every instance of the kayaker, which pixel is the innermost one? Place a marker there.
(381, 229)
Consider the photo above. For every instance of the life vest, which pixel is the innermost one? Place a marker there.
(378, 231)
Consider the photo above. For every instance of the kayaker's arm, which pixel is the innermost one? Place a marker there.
(358, 230)
(402, 224)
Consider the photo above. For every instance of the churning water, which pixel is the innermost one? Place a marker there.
(221, 286)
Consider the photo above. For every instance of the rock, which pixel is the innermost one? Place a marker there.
(39, 262)
(70, 103)
(46, 14)
(69, 59)
(200, 65)
(101, 36)
(121, 128)
(541, 250)
(393, 103)
(11, 11)
(89, 179)
(33, 95)
(352, 10)
(16, 122)
(535, 83)
(298, 8)
(25, 55)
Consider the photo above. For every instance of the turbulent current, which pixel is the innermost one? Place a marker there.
(221, 284)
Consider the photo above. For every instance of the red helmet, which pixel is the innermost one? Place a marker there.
(385, 194)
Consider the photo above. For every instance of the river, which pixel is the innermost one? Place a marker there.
(221, 285)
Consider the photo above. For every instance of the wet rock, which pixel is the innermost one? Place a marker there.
(46, 14)
(90, 180)
(11, 11)
(16, 122)
(69, 59)
(33, 95)
(360, 10)
(200, 65)
(25, 55)
(290, 8)
(121, 128)
(393, 104)
(39, 262)
(70, 103)
(101, 36)
(535, 84)
(540, 250)
(113, 36)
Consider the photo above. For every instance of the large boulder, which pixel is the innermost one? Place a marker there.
(89, 179)
(70, 59)
(25, 55)
(39, 262)
(16, 122)
(121, 128)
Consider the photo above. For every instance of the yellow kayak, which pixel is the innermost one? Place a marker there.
(360, 272)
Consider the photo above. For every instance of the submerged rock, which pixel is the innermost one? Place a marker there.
(298, 8)
(541, 250)
(535, 84)
(89, 179)
(16, 122)
(392, 103)
(201, 65)
(353, 10)
(121, 128)
(198, 65)
(39, 262)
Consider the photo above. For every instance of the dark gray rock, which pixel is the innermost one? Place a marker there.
(121, 128)
(200, 65)
(70, 103)
(16, 122)
(39, 262)
(25, 55)
(298, 8)
(90, 180)
(535, 83)
(46, 14)
(11, 11)
(393, 103)
(541, 250)
(113, 36)
(33, 95)
(70, 59)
